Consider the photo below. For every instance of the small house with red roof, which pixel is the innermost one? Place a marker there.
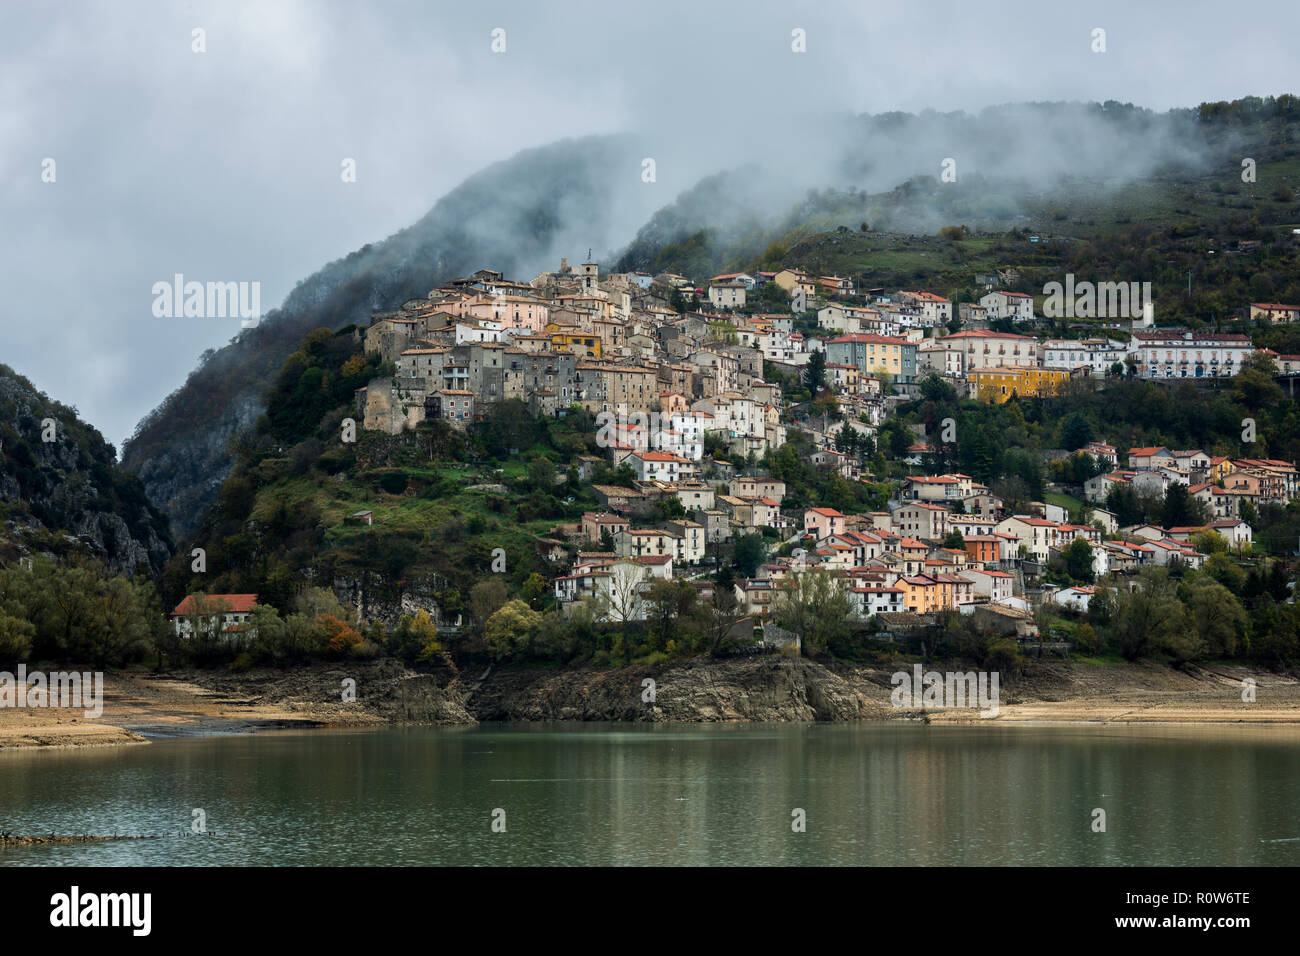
(227, 613)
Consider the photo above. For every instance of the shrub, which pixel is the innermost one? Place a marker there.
(392, 480)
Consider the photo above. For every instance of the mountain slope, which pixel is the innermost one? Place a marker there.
(518, 216)
(1066, 166)
(67, 496)
(1078, 169)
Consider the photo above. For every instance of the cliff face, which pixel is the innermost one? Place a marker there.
(376, 599)
(518, 216)
(61, 491)
(183, 477)
(766, 690)
(763, 689)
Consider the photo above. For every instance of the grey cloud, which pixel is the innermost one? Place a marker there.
(225, 165)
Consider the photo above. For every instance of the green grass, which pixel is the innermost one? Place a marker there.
(1072, 504)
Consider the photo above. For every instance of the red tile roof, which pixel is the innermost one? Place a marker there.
(235, 603)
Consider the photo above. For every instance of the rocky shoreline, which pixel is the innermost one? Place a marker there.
(139, 705)
(8, 839)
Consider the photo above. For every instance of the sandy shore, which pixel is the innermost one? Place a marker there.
(140, 704)
(1143, 693)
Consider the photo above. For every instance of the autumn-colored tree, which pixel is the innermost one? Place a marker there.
(340, 635)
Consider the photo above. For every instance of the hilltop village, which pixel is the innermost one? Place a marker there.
(691, 390)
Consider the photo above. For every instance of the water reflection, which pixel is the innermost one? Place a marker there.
(671, 795)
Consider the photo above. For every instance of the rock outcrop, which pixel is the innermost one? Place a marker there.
(62, 492)
(753, 689)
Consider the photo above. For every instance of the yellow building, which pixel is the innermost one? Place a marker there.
(790, 279)
(581, 344)
(921, 594)
(996, 385)
(1220, 468)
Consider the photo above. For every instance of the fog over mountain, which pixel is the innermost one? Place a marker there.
(995, 160)
(225, 165)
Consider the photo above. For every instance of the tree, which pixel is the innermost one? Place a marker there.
(955, 540)
(667, 600)
(723, 613)
(1254, 385)
(1014, 492)
(15, 638)
(898, 437)
(509, 631)
(1076, 431)
(815, 607)
(1150, 620)
(303, 639)
(626, 602)
(1181, 510)
(534, 590)
(416, 638)
(1078, 560)
(814, 373)
(846, 439)
(1226, 571)
(541, 474)
(1216, 615)
(748, 553)
(1210, 542)
(315, 602)
(1122, 501)
(486, 597)
(340, 636)
(935, 389)
(1086, 638)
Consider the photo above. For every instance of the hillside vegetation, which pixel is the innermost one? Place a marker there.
(62, 491)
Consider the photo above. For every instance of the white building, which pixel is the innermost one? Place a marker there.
(867, 601)
(661, 466)
(727, 295)
(1008, 305)
(1179, 353)
(1097, 354)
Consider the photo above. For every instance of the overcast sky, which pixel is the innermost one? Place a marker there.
(225, 165)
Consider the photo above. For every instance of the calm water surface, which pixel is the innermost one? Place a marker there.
(875, 794)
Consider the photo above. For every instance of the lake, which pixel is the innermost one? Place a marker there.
(672, 794)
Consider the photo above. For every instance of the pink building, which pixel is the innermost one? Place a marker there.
(512, 311)
(822, 522)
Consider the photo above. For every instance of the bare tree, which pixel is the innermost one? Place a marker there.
(626, 600)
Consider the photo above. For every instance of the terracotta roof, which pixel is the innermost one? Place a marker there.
(236, 603)
(987, 334)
